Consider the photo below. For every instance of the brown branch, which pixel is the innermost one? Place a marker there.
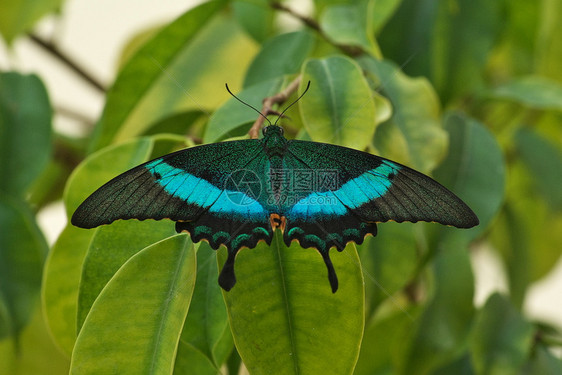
(269, 102)
(349, 50)
(68, 61)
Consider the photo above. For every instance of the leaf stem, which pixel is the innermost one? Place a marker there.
(269, 102)
(68, 61)
(349, 50)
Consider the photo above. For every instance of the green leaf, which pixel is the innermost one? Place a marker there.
(474, 169)
(206, 341)
(413, 136)
(280, 56)
(445, 323)
(110, 247)
(22, 251)
(532, 91)
(351, 25)
(284, 317)
(140, 313)
(256, 17)
(233, 114)
(61, 279)
(174, 72)
(19, 16)
(502, 339)
(339, 106)
(544, 161)
(25, 131)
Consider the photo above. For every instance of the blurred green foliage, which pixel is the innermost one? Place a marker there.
(469, 91)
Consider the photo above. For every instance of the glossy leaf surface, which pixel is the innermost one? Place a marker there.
(276, 329)
(331, 114)
(140, 313)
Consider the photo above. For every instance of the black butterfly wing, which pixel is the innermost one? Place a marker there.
(354, 190)
(206, 189)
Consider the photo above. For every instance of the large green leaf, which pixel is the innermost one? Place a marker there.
(19, 16)
(206, 340)
(174, 72)
(134, 326)
(502, 339)
(61, 279)
(351, 25)
(110, 247)
(284, 317)
(233, 114)
(474, 169)
(413, 135)
(279, 56)
(63, 269)
(22, 251)
(25, 131)
(339, 106)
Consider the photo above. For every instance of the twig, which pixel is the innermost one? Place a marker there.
(269, 102)
(353, 51)
(72, 65)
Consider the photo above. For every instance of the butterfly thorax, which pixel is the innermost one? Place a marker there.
(274, 142)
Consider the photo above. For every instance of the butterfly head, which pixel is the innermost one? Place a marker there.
(274, 141)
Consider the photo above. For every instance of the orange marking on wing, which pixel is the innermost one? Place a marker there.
(278, 221)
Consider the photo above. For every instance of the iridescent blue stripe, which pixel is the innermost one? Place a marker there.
(198, 191)
(368, 186)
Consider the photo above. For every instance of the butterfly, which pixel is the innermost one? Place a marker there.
(237, 193)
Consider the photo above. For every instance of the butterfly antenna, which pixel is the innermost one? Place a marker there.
(243, 102)
(296, 100)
